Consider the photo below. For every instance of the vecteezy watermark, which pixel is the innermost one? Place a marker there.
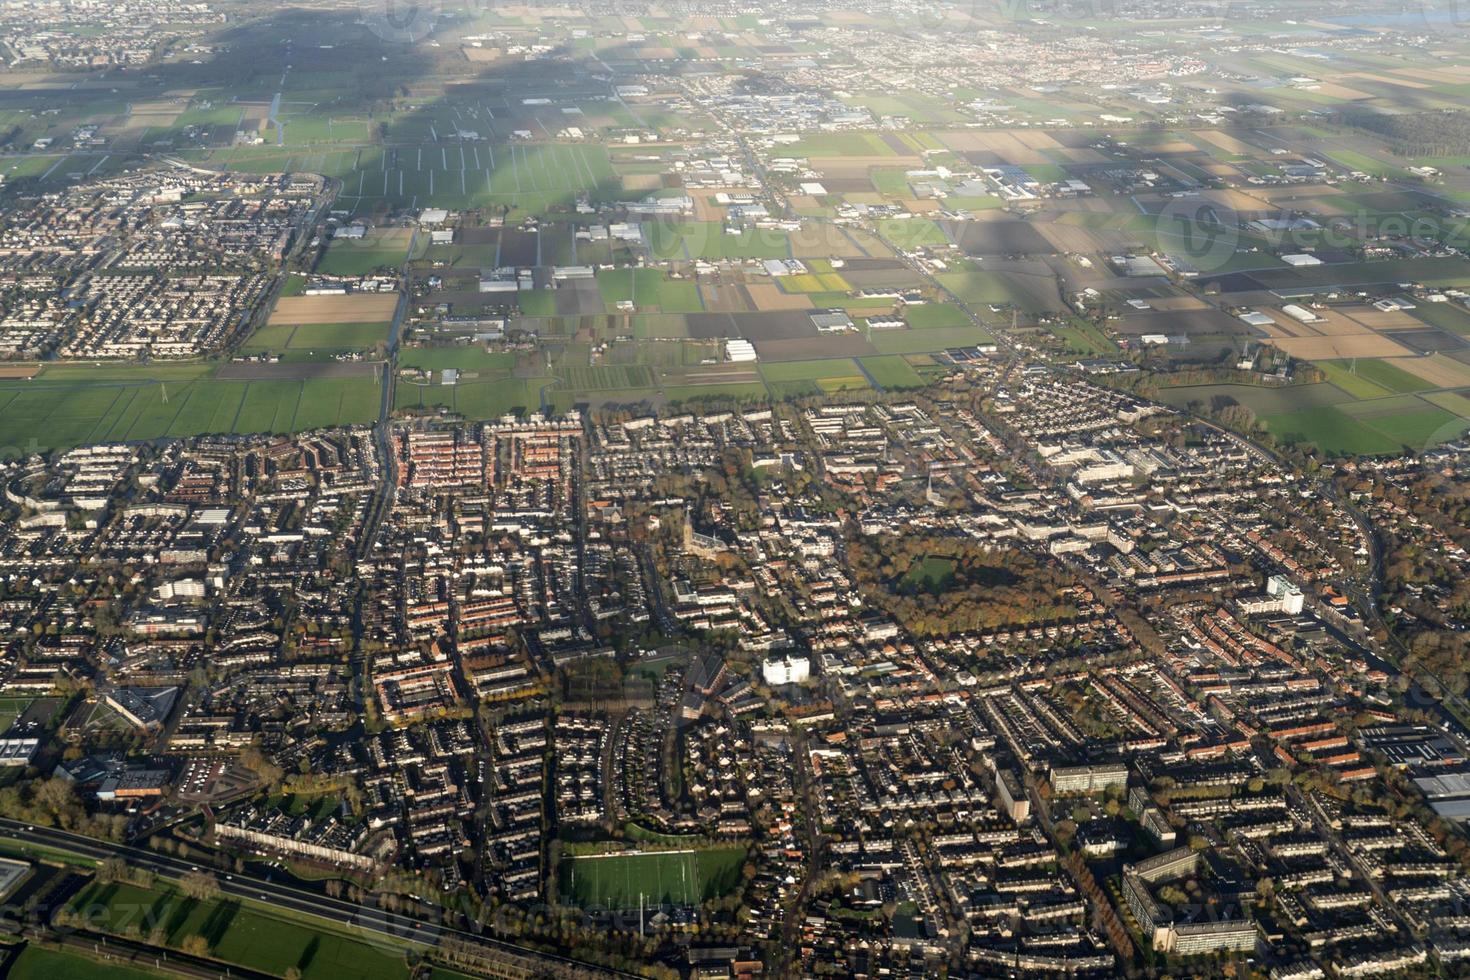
(400, 21)
(1205, 235)
(1201, 233)
(377, 923)
(1288, 230)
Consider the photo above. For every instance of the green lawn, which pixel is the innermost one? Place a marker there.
(891, 372)
(814, 370)
(929, 340)
(731, 391)
(838, 145)
(677, 877)
(237, 933)
(361, 256)
(927, 315)
(36, 416)
(1386, 426)
(890, 180)
(488, 399)
(647, 289)
(35, 963)
(929, 574)
(978, 287)
(1384, 375)
(537, 302)
(12, 708)
(1330, 429)
(628, 286)
(604, 377)
(1356, 384)
(280, 337)
(912, 233)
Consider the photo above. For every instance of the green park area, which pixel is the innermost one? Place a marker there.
(932, 574)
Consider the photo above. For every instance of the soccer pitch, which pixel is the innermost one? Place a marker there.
(626, 880)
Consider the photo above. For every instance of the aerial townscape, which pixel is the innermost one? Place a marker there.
(932, 488)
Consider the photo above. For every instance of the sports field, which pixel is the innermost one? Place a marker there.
(12, 708)
(616, 881)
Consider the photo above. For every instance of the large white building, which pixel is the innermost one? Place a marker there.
(1281, 597)
(786, 670)
(739, 350)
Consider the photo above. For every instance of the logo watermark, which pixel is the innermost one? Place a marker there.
(401, 21)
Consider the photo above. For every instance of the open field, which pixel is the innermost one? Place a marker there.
(317, 336)
(237, 933)
(527, 178)
(461, 357)
(814, 370)
(890, 372)
(384, 248)
(12, 708)
(38, 416)
(674, 877)
(1335, 418)
(486, 399)
(1330, 430)
(928, 340)
(932, 573)
(1383, 375)
(709, 240)
(35, 963)
(351, 308)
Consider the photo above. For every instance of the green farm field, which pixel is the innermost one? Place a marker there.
(1384, 426)
(317, 336)
(487, 399)
(39, 416)
(815, 370)
(891, 372)
(384, 249)
(1381, 375)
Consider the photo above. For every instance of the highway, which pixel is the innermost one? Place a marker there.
(375, 925)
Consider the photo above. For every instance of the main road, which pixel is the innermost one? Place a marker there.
(387, 462)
